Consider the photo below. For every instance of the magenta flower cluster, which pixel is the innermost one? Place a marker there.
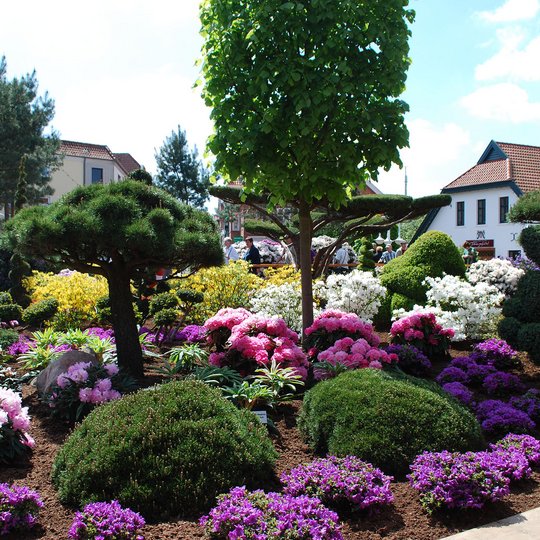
(106, 521)
(19, 508)
(332, 325)
(454, 480)
(424, 332)
(337, 481)
(21, 346)
(254, 341)
(347, 353)
(244, 515)
(14, 425)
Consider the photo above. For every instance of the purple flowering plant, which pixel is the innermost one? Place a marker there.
(85, 385)
(410, 359)
(106, 521)
(501, 383)
(474, 367)
(497, 353)
(500, 418)
(19, 508)
(529, 403)
(340, 481)
(526, 444)
(460, 392)
(452, 374)
(244, 515)
(459, 480)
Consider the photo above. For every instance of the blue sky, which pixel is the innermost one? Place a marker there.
(121, 73)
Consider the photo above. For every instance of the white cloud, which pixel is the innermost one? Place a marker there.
(512, 61)
(511, 11)
(504, 102)
(436, 156)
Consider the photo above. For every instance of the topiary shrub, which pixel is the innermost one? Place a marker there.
(7, 338)
(385, 418)
(10, 312)
(432, 255)
(163, 452)
(39, 312)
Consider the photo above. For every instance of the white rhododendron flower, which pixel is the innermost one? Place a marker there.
(497, 272)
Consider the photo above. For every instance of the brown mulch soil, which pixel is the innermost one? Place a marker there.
(404, 520)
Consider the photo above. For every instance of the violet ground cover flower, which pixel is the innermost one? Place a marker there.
(452, 374)
(106, 521)
(528, 403)
(243, 515)
(499, 417)
(19, 508)
(501, 383)
(497, 353)
(459, 391)
(526, 444)
(410, 359)
(336, 480)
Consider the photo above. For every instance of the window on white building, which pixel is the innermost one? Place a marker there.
(481, 211)
(460, 213)
(504, 205)
(97, 175)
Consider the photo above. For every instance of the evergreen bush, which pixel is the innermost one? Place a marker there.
(39, 312)
(7, 337)
(10, 312)
(385, 418)
(164, 452)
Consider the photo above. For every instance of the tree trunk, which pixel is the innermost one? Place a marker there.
(305, 265)
(128, 347)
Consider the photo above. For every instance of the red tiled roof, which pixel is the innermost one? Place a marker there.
(522, 166)
(127, 162)
(525, 162)
(79, 149)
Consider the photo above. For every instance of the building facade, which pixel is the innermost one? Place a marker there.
(85, 164)
(482, 197)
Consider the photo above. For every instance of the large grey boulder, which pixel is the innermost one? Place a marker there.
(47, 378)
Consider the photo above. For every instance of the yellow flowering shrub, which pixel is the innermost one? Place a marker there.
(281, 275)
(76, 293)
(231, 286)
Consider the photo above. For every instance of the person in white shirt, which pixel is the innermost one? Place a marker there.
(230, 252)
(388, 255)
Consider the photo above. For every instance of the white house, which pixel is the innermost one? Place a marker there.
(86, 164)
(482, 196)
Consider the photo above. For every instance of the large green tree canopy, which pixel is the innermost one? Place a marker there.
(304, 94)
(24, 116)
(304, 97)
(121, 231)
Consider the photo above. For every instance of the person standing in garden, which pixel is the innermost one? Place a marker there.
(252, 255)
(230, 252)
(388, 255)
(402, 249)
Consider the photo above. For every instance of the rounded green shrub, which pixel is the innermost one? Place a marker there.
(39, 312)
(400, 301)
(164, 452)
(10, 312)
(5, 298)
(509, 330)
(162, 301)
(530, 240)
(432, 255)
(165, 317)
(8, 337)
(528, 339)
(385, 418)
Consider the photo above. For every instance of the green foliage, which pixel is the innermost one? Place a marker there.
(383, 317)
(189, 297)
(103, 310)
(25, 117)
(166, 317)
(141, 176)
(530, 240)
(509, 330)
(526, 209)
(364, 249)
(433, 255)
(19, 269)
(161, 301)
(39, 312)
(10, 312)
(400, 301)
(217, 376)
(385, 418)
(5, 298)
(283, 382)
(128, 228)
(183, 359)
(180, 172)
(163, 452)
(528, 339)
(7, 337)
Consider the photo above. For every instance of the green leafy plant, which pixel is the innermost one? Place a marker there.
(248, 395)
(283, 382)
(39, 312)
(217, 376)
(164, 452)
(183, 359)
